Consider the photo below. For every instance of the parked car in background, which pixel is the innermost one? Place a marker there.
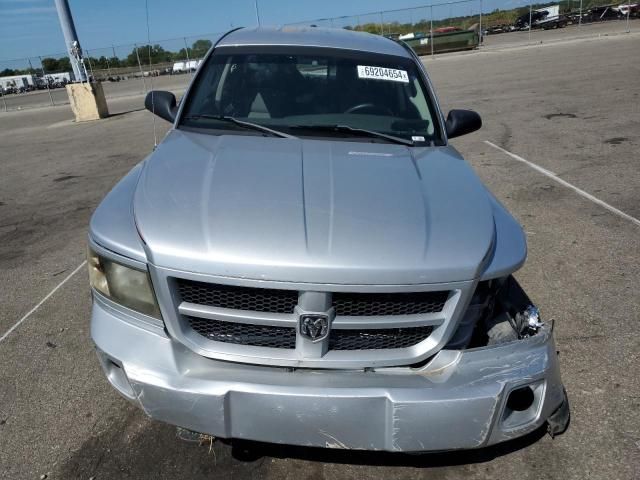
(184, 67)
(178, 67)
(544, 18)
(632, 10)
(603, 13)
(498, 28)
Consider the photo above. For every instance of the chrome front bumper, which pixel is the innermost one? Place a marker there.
(457, 401)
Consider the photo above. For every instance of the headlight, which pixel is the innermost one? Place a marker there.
(127, 286)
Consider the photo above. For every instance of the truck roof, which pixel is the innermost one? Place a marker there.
(314, 37)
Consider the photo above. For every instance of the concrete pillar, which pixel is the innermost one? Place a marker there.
(87, 101)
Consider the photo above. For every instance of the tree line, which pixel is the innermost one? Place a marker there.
(153, 54)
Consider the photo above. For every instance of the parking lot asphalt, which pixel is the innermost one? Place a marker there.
(571, 108)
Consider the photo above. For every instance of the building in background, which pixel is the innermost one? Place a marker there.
(26, 82)
(17, 81)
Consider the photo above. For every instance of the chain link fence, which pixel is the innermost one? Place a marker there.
(40, 76)
(498, 23)
(123, 70)
(134, 69)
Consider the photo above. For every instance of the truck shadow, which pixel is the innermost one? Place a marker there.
(253, 451)
(129, 445)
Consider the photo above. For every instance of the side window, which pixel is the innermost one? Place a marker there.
(206, 98)
(417, 98)
(313, 68)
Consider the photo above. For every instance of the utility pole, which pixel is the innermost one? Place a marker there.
(186, 49)
(255, 2)
(530, 13)
(71, 40)
(44, 77)
(580, 18)
(4, 102)
(480, 39)
(431, 29)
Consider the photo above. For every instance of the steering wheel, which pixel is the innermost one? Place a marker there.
(370, 108)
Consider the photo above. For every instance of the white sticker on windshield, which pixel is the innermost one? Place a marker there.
(381, 73)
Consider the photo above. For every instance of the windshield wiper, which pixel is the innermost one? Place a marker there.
(241, 123)
(348, 129)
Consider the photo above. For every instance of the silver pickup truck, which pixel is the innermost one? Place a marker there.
(304, 259)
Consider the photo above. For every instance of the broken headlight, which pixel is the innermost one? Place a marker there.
(124, 285)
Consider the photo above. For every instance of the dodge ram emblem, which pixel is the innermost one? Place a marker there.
(314, 326)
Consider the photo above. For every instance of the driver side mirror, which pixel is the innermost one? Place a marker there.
(162, 104)
(461, 122)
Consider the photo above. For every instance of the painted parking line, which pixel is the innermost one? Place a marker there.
(41, 302)
(556, 178)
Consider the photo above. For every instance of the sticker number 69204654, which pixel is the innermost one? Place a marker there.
(381, 73)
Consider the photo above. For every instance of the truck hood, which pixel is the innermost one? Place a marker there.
(312, 211)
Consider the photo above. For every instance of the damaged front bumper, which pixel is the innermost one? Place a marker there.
(461, 399)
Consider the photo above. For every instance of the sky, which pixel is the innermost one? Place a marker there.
(30, 28)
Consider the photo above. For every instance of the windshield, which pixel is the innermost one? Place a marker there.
(299, 91)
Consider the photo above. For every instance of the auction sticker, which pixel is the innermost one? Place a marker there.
(381, 73)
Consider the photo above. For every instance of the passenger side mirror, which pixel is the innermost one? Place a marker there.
(461, 122)
(162, 104)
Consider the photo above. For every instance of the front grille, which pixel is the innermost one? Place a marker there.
(378, 339)
(374, 304)
(244, 334)
(285, 337)
(284, 301)
(237, 298)
(254, 330)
